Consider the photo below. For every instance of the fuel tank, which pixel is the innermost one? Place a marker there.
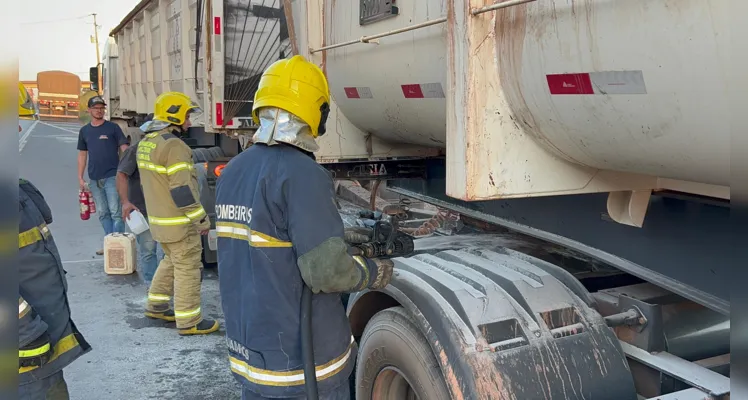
(632, 86)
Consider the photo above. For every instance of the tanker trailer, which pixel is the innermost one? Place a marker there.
(596, 128)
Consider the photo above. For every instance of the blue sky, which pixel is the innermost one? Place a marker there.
(56, 34)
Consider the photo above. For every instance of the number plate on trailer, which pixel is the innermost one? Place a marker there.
(371, 11)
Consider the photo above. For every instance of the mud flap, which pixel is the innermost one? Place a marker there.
(503, 326)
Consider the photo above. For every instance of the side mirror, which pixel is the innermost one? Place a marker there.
(93, 74)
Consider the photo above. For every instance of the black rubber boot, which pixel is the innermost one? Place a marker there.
(167, 315)
(203, 328)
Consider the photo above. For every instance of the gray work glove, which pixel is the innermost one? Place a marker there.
(384, 273)
(358, 234)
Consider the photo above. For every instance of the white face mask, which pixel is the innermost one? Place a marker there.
(153, 126)
(277, 125)
(196, 115)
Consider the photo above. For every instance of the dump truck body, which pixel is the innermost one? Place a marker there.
(163, 46)
(59, 95)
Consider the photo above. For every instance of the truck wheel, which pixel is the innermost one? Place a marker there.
(215, 153)
(396, 362)
(199, 155)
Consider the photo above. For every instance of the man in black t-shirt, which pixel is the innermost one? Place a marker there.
(99, 144)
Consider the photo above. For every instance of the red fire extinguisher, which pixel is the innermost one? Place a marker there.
(84, 205)
(91, 202)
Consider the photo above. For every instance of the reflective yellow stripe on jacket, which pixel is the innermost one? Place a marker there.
(239, 231)
(170, 170)
(33, 352)
(23, 308)
(33, 235)
(65, 344)
(288, 378)
(189, 218)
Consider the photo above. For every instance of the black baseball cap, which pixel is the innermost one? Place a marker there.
(95, 100)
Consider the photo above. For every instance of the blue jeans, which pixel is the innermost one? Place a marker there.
(150, 254)
(108, 206)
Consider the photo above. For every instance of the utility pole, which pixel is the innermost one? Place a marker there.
(98, 56)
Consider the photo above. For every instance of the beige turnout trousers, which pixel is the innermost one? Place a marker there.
(178, 275)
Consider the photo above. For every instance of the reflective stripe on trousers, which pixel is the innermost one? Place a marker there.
(178, 276)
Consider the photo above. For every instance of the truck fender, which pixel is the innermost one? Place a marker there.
(503, 326)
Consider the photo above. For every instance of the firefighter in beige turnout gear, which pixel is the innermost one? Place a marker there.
(175, 215)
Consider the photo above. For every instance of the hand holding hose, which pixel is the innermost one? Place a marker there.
(357, 235)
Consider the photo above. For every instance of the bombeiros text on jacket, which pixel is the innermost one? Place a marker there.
(234, 212)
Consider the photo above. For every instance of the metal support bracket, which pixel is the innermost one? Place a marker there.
(629, 207)
(385, 169)
(695, 375)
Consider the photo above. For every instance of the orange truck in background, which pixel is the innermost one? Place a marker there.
(59, 95)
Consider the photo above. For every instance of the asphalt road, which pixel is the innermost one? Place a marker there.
(133, 357)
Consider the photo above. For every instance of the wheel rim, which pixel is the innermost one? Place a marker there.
(391, 384)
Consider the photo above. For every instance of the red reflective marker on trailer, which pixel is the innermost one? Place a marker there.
(603, 82)
(219, 114)
(217, 38)
(423, 91)
(358, 93)
(570, 84)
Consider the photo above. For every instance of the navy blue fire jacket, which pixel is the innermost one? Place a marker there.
(42, 289)
(279, 228)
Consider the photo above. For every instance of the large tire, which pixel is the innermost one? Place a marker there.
(198, 155)
(215, 153)
(392, 348)
(206, 154)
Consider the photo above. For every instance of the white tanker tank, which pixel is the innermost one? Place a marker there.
(536, 98)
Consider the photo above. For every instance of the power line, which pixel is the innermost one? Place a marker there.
(55, 20)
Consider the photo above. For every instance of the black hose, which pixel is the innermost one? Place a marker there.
(307, 345)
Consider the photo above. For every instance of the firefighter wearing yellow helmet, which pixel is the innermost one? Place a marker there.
(278, 230)
(175, 215)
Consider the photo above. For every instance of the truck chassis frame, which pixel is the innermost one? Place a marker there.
(680, 232)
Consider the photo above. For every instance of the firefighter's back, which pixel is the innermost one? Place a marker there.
(156, 162)
(260, 281)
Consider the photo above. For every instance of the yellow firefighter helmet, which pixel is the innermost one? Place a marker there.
(297, 86)
(173, 107)
(25, 105)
